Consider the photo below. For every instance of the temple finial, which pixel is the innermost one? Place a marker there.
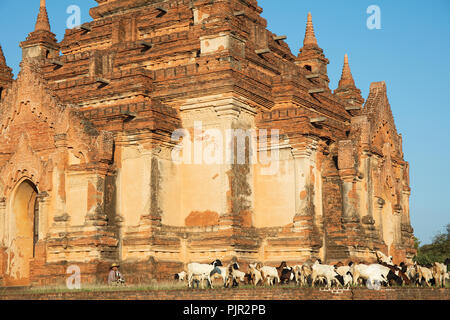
(6, 76)
(42, 23)
(310, 37)
(348, 91)
(41, 43)
(346, 77)
(4, 69)
(2, 57)
(312, 58)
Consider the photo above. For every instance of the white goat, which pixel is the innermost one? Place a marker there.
(255, 273)
(204, 271)
(374, 272)
(439, 271)
(234, 275)
(423, 273)
(222, 275)
(270, 274)
(297, 271)
(382, 258)
(181, 276)
(411, 273)
(325, 272)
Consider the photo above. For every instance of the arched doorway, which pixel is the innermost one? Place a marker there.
(25, 224)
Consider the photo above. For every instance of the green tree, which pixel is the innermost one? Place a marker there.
(437, 251)
(416, 243)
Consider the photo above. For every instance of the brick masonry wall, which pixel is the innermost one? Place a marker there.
(245, 294)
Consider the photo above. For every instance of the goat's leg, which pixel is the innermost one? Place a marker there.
(339, 284)
(313, 278)
(355, 279)
(329, 282)
(255, 279)
(305, 280)
(203, 282)
(210, 282)
(421, 279)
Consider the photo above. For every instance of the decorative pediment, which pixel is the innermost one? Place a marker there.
(379, 113)
(24, 163)
(33, 124)
(375, 132)
(28, 100)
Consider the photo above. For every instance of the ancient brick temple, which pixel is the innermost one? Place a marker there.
(87, 174)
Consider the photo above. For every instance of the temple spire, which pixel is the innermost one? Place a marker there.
(6, 76)
(2, 58)
(5, 71)
(346, 77)
(311, 57)
(347, 89)
(310, 37)
(41, 43)
(42, 23)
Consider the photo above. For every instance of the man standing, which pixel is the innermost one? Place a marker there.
(115, 277)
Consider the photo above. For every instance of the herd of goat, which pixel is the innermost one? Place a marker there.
(383, 273)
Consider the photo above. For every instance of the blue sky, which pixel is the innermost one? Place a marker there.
(411, 52)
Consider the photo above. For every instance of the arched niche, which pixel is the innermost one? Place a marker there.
(24, 212)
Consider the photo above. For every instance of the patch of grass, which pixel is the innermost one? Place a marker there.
(163, 285)
(158, 286)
